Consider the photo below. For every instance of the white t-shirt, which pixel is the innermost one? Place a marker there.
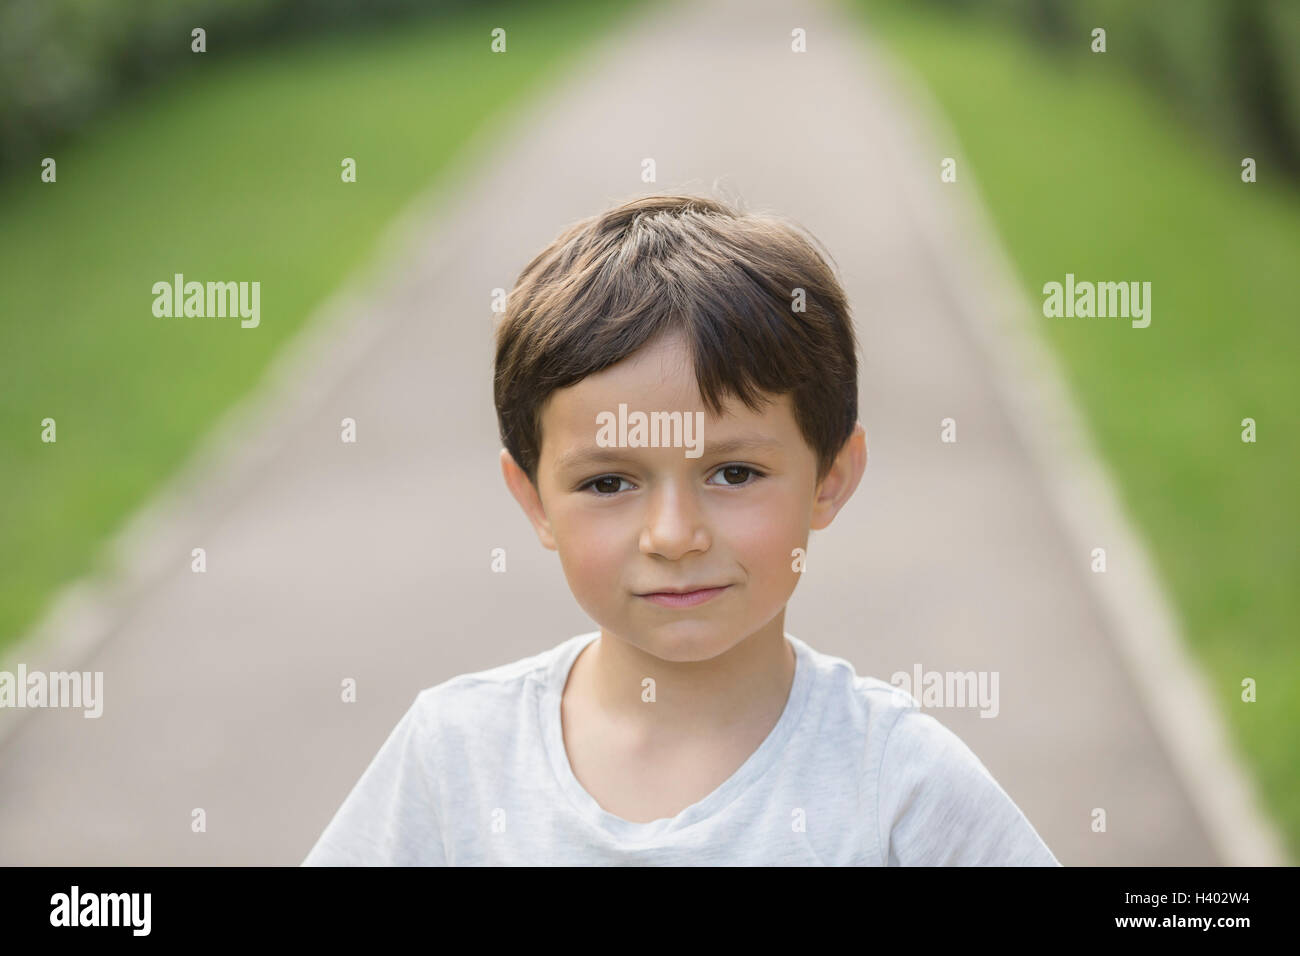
(475, 773)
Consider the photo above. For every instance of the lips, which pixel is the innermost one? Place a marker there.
(689, 589)
(686, 597)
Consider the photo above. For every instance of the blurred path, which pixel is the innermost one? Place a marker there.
(371, 561)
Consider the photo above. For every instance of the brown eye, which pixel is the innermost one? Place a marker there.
(606, 485)
(734, 474)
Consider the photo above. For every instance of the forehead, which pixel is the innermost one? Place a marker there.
(657, 378)
(660, 370)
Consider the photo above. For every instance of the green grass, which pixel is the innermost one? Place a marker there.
(230, 173)
(1084, 171)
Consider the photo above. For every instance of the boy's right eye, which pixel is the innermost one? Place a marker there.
(605, 486)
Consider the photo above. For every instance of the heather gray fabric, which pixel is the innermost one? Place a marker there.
(854, 773)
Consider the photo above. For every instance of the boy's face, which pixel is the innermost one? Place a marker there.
(628, 522)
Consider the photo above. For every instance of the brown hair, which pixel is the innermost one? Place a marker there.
(611, 283)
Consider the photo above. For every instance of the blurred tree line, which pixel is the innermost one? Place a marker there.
(1229, 67)
(63, 61)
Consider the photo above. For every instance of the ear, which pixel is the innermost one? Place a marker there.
(842, 480)
(526, 494)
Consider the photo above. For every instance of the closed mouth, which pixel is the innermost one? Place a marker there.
(685, 598)
(688, 590)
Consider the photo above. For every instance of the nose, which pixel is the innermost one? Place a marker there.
(675, 523)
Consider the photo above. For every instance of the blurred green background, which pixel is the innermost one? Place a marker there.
(1127, 165)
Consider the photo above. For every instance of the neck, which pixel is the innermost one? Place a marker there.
(750, 682)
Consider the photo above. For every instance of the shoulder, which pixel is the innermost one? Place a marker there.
(452, 732)
(477, 700)
(853, 704)
(937, 804)
(931, 799)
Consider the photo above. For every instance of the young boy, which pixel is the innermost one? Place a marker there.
(676, 387)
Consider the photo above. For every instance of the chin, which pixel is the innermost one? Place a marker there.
(689, 641)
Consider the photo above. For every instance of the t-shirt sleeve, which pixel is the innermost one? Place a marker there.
(390, 818)
(937, 804)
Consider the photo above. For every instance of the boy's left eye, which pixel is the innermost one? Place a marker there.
(728, 472)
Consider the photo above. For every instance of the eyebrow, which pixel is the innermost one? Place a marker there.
(588, 457)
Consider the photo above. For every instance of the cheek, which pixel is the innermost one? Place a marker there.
(761, 537)
(588, 551)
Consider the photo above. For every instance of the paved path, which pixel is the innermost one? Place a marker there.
(328, 560)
